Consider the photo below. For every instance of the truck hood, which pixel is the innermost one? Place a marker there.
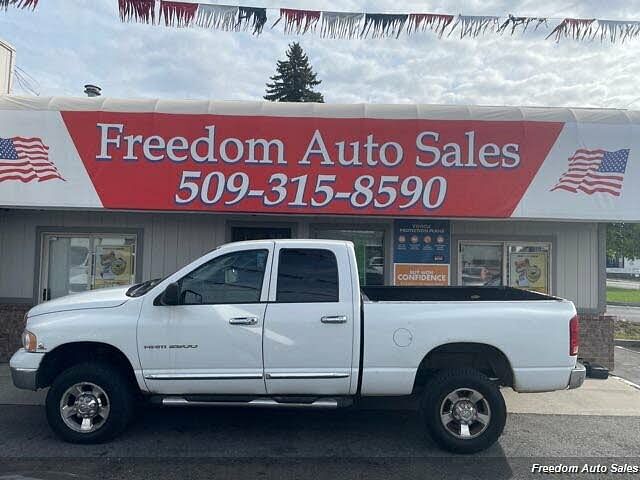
(103, 298)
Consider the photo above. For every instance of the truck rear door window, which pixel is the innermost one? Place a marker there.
(307, 275)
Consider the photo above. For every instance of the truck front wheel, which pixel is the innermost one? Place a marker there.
(89, 403)
(464, 411)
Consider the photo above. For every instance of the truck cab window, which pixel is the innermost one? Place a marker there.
(232, 278)
(307, 275)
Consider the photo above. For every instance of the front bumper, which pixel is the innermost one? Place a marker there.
(578, 374)
(24, 369)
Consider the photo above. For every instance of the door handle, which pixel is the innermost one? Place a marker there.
(334, 319)
(243, 321)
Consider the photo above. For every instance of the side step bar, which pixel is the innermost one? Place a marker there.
(321, 403)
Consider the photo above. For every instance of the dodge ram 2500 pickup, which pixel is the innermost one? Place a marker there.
(285, 323)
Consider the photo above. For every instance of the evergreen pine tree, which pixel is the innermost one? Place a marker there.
(294, 79)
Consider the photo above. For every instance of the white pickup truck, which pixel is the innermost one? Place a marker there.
(285, 323)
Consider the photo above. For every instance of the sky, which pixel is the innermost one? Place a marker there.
(64, 44)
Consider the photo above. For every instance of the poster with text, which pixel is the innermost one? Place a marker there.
(420, 274)
(114, 266)
(421, 241)
(529, 270)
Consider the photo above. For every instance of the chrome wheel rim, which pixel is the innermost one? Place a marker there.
(85, 407)
(465, 413)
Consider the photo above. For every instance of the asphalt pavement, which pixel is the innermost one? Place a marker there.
(596, 425)
(234, 443)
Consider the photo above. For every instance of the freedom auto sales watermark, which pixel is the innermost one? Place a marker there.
(585, 468)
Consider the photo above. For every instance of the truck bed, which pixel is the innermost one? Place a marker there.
(449, 294)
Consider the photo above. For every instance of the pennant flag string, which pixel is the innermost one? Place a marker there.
(353, 25)
(357, 25)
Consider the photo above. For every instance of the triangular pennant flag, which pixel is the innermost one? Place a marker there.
(298, 21)
(341, 24)
(178, 14)
(429, 21)
(141, 11)
(618, 29)
(218, 17)
(383, 25)
(576, 28)
(473, 25)
(524, 22)
(251, 17)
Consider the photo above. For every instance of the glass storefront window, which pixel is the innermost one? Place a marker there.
(369, 246)
(480, 264)
(516, 264)
(73, 263)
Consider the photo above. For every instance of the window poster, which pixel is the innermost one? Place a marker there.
(114, 266)
(421, 252)
(529, 270)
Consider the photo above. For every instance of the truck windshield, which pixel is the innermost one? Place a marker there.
(141, 288)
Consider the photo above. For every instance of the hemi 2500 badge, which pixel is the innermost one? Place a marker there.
(164, 347)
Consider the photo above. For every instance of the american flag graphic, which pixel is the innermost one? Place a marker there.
(595, 171)
(26, 159)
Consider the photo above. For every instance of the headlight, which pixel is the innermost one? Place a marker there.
(29, 341)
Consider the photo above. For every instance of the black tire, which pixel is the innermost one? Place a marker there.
(120, 399)
(434, 399)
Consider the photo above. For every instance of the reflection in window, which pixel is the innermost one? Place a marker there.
(369, 247)
(481, 264)
(307, 275)
(232, 278)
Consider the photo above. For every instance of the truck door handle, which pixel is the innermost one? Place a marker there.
(334, 319)
(244, 321)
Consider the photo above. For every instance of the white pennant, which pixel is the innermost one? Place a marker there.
(218, 17)
(472, 25)
(618, 29)
(341, 24)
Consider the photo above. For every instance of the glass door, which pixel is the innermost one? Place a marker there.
(73, 263)
(66, 266)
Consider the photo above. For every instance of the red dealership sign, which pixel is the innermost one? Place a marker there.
(309, 165)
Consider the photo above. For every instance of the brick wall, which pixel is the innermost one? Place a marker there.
(596, 339)
(11, 327)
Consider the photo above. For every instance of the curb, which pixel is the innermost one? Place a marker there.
(626, 343)
(631, 384)
(623, 304)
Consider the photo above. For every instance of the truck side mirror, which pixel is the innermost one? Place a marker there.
(171, 295)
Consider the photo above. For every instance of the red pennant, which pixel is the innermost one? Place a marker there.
(141, 11)
(298, 21)
(178, 14)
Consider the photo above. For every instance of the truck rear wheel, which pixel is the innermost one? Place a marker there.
(463, 410)
(89, 403)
